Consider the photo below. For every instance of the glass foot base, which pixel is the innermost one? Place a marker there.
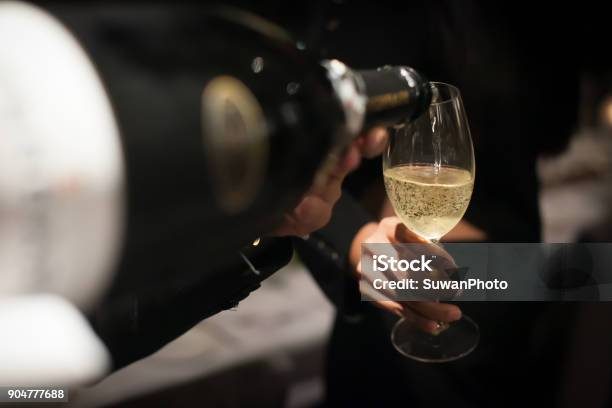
(457, 341)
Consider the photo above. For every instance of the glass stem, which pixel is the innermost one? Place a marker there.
(442, 325)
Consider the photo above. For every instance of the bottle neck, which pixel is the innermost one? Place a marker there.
(395, 94)
(381, 97)
(349, 89)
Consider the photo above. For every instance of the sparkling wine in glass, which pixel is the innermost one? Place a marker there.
(429, 170)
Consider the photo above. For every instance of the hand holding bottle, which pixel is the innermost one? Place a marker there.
(315, 208)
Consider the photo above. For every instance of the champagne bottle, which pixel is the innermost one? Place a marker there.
(225, 119)
(223, 122)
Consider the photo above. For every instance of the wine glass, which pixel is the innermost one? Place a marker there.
(428, 168)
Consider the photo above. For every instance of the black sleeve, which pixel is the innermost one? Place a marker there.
(134, 325)
(325, 253)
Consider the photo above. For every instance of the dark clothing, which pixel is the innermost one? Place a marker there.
(518, 362)
(520, 91)
(137, 322)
